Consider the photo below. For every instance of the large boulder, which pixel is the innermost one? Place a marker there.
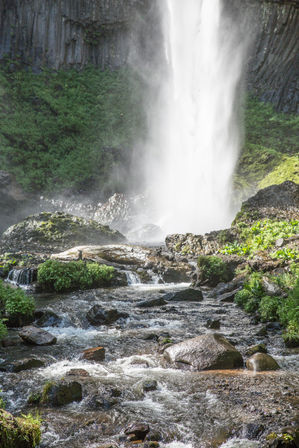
(37, 336)
(61, 393)
(206, 352)
(51, 232)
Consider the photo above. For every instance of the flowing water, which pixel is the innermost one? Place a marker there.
(189, 409)
(195, 130)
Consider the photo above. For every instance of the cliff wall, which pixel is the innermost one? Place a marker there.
(64, 33)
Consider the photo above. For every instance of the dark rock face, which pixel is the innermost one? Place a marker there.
(37, 336)
(275, 202)
(65, 33)
(56, 231)
(187, 295)
(99, 316)
(206, 352)
(48, 319)
(274, 61)
(151, 303)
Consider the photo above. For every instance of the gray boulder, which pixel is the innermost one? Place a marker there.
(206, 352)
(37, 336)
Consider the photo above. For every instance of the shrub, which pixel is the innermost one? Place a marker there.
(268, 308)
(251, 305)
(21, 431)
(213, 270)
(242, 297)
(59, 276)
(15, 304)
(3, 329)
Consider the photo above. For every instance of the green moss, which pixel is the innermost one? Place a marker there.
(287, 169)
(60, 276)
(46, 391)
(19, 432)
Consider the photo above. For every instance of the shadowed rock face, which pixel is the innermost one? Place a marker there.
(67, 33)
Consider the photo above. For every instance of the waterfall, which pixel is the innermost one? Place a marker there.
(195, 135)
(22, 277)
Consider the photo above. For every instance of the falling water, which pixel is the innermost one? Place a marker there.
(195, 136)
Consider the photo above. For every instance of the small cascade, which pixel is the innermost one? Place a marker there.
(132, 278)
(22, 277)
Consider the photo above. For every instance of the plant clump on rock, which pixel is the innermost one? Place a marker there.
(19, 432)
(61, 276)
(213, 270)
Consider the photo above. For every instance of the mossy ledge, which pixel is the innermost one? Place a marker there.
(19, 432)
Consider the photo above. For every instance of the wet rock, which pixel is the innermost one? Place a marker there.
(99, 316)
(228, 297)
(139, 430)
(186, 295)
(151, 303)
(223, 288)
(154, 436)
(11, 341)
(57, 231)
(252, 431)
(77, 372)
(206, 352)
(22, 364)
(61, 393)
(213, 324)
(259, 348)
(261, 362)
(47, 318)
(19, 320)
(149, 385)
(94, 354)
(178, 274)
(105, 400)
(36, 336)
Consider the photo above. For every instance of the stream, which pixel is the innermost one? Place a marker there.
(188, 409)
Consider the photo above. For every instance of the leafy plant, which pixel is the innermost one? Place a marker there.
(14, 304)
(268, 307)
(214, 270)
(60, 276)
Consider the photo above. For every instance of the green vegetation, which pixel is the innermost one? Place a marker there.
(2, 402)
(19, 432)
(15, 305)
(262, 236)
(213, 270)
(253, 298)
(60, 276)
(270, 152)
(70, 128)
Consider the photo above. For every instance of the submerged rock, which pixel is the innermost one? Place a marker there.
(37, 336)
(47, 318)
(49, 232)
(261, 362)
(22, 364)
(186, 295)
(206, 352)
(99, 316)
(151, 303)
(259, 348)
(139, 430)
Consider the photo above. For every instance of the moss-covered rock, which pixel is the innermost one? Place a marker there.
(19, 432)
(213, 270)
(49, 232)
(61, 393)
